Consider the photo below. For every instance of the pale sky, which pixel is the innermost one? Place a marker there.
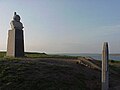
(64, 26)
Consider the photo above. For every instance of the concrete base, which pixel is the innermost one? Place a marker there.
(15, 46)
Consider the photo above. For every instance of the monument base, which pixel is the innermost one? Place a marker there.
(15, 46)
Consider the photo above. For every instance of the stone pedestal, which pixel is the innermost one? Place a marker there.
(15, 46)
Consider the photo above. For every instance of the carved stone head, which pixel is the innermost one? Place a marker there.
(15, 23)
(16, 17)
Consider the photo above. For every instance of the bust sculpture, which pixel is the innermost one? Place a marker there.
(15, 23)
(15, 46)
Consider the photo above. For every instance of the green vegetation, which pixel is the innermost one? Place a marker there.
(44, 55)
(115, 65)
(115, 68)
(2, 54)
(114, 61)
(20, 74)
(40, 71)
(38, 55)
(28, 75)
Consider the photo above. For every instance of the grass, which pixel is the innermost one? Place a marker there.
(24, 75)
(44, 55)
(35, 74)
(114, 61)
(115, 65)
(38, 55)
(2, 54)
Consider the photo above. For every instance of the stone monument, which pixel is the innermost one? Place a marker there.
(105, 67)
(15, 45)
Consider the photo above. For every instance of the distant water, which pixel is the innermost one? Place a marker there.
(97, 56)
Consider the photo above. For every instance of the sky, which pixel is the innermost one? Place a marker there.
(64, 26)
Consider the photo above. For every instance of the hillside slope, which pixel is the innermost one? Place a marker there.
(51, 74)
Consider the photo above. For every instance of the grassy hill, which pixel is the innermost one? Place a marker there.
(39, 71)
